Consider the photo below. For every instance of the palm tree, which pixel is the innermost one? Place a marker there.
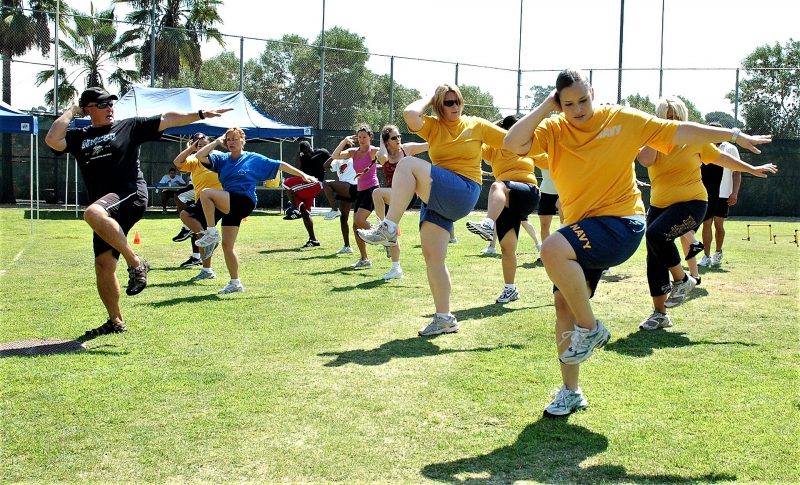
(181, 25)
(20, 31)
(94, 46)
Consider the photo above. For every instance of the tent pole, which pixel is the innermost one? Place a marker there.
(76, 188)
(37, 174)
(66, 185)
(31, 185)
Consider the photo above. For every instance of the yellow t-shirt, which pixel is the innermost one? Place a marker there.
(592, 165)
(675, 176)
(508, 166)
(202, 178)
(456, 146)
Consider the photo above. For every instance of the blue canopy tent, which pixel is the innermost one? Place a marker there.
(142, 101)
(15, 121)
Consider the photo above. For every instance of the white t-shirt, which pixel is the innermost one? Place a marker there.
(726, 186)
(547, 186)
(344, 169)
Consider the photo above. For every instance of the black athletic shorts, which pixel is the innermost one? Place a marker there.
(364, 200)
(353, 194)
(523, 199)
(127, 210)
(241, 206)
(547, 204)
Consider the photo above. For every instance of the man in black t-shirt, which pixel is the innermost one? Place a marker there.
(107, 153)
(311, 162)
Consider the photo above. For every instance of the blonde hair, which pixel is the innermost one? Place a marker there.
(437, 103)
(678, 108)
(237, 131)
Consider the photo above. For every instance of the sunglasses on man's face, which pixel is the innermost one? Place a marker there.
(103, 105)
(451, 102)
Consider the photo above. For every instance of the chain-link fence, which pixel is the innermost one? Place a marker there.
(335, 89)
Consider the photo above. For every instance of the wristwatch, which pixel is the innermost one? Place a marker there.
(734, 135)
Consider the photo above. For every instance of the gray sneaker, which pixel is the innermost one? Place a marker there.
(440, 325)
(231, 288)
(204, 275)
(208, 239)
(345, 250)
(208, 251)
(716, 258)
(680, 291)
(482, 229)
(583, 341)
(508, 295)
(655, 321)
(362, 264)
(705, 262)
(566, 402)
(380, 234)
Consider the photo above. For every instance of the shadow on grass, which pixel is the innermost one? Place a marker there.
(279, 250)
(41, 347)
(399, 349)
(711, 269)
(362, 286)
(491, 310)
(696, 293)
(199, 298)
(321, 256)
(548, 451)
(644, 342)
(531, 265)
(613, 278)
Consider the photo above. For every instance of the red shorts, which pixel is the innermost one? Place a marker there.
(304, 192)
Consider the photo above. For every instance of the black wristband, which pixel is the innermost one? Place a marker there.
(200, 114)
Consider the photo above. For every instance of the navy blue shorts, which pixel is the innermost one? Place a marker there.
(602, 242)
(452, 197)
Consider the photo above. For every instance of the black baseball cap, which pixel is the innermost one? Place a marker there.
(95, 94)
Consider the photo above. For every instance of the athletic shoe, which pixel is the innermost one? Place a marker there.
(694, 249)
(566, 402)
(508, 294)
(209, 250)
(183, 235)
(440, 325)
(379, 234)
(583, 341)
(716, 259)
(137, 278)
(362, 264)
(105, 329)
(697, 278)
(333, 214)
(208, 239)
(705, 262)
(680, 291)
(394, 274)
(292, 215)
(482, 229)
(345, 250)
(204, 275)
(655, 321)
(192, 261)
(231, 288)
(489, 251)
(311, 243)
(539, 248)
(453, 240)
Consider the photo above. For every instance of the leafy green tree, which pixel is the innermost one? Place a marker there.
(220, 73)
(724, 119)
(537, 95)
(479, 103)
(770, 93)
(641, 103)
(96, 50)
(694, 113)
(181, 27)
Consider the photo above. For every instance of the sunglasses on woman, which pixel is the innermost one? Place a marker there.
(451, 102)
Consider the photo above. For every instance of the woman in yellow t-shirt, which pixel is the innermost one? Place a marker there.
(590, 153)
(448, 187)
(678, 203)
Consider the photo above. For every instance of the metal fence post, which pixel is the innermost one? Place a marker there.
(55, 60)
(519, 59)
(153, 44)
(621, 30)
(241, 64)
(736, 97)
(322, 69)
(456, 74)
(391, 90)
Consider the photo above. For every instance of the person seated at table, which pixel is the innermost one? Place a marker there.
(171, 179)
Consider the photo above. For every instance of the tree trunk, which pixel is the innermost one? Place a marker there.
(6, 167)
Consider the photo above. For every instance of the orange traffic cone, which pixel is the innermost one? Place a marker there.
(136, 238)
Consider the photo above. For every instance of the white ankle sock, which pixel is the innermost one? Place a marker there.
(488, 222)
(196, 255)
(391, 225)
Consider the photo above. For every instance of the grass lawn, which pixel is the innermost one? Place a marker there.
(315, 373)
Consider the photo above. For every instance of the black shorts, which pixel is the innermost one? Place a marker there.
(523, 199)
(195, 211)
(364, 200)
(241, 206)
(547, 204)
(353, 194)
(127, 210)
(717, 207)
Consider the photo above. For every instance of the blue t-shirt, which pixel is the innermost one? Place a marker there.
(240, 176)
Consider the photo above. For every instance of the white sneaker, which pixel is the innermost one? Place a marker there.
(208, 239)
(333, 214)
(362, 264)
(394, 274)
(345, 250)
(481, 229)
(380, 234)
(453, 240)
(705, 262)
(655, 321)
(508, 295)
(566, 402)
(680, 290)
(440, 325)
(583, 342)
(231, 287)
(489, 251)
(204, 275)
(716, 259)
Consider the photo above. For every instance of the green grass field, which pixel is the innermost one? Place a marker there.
(315, 372)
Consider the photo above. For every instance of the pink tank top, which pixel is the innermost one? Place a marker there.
(370, 178)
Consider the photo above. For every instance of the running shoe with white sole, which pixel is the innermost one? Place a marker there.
(583, 342)
(440, 325)
(566, 402)
(655, 321)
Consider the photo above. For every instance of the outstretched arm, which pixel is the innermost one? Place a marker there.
(727, 161)
(520, 136)
(171, 119)
(690, 132)
(296, 171)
